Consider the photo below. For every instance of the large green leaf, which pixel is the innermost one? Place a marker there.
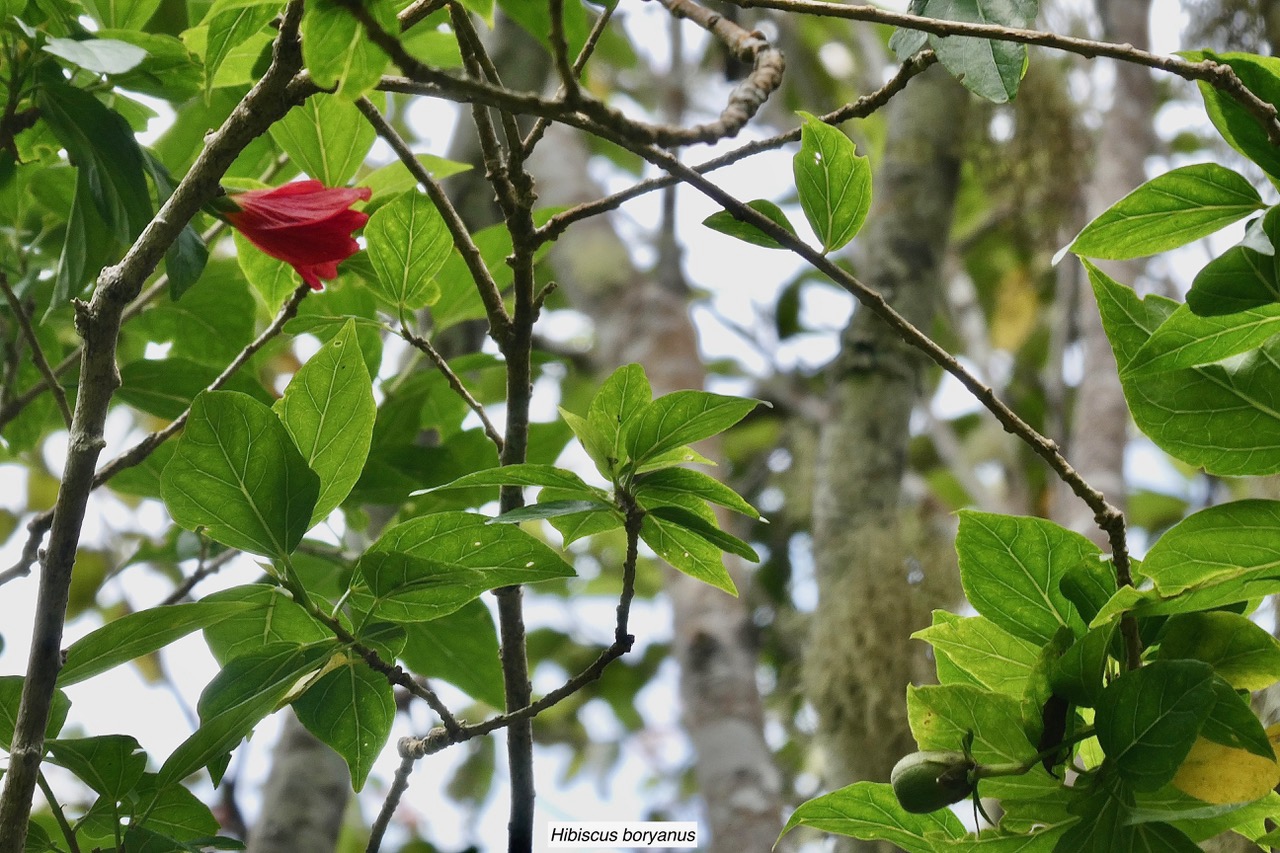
(1188, 340)
(329, 410)
(326, 137)
(524, 474)
(988, 655)
(679, 418)
(407, 588)
(212, 322)
(1171, 210)
(1245, 276)
(351, 709)
(408, 244)
(990, 69)
(1147, 719)
(869, 811)
(272, 278)
(230, 25)
(166, 387)
(1239, 650)
(247, 689)
(461, 648)
(99, 142)
(1011, 568)
(11, 696)
(141, 633)
(676, 485)
(942, 715)
(1231, 722)
(262, 614)
(503, 553)
(100, 55)
(833, 181)
(686, 551)
(237, 473)
(109, 764)
(337, 51)
(1225, 418)
(1261, 75)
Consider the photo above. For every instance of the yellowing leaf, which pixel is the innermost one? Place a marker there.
(1220, 774)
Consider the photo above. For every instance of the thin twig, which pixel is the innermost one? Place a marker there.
(417, 11)
(1216, 74)
(861, 108)
(424, 346)
(480, 66)
(56, 807)
(37, 353)
(205, 569)
(593, 38)
(490, 293)
(560, 53)
(399, 784)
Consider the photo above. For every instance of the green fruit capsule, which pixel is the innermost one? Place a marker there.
(927, 781)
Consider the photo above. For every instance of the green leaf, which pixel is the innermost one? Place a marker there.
(990, 69)
(350, 709)
(621, 398)
(329, 410)
(1211, 551)
(326, 137)
(1238, 649)
(123, 14)
(942, 715)
(549, 509)
(138, 634)
(869, 811)
(1011, 567)
(11, 696)
(461, 648)
(395, 178)
(991, 656)
(672, 485)
(263, 614)
(535, 18)
(834, 183)
(168, 69)
(1187, 340)
(337, 51)
(1231, 722)
(523, 474)
(1245, 276)
(166, 387)
(230, 25)
(184, 261)
(1147, 719)
(505, 554)
(726, 223)
(407, 588)
(1227, 418)
(109, 764)
(175, 812)
(680, 418)
(101, 55)
(89, 245)
(1079, 675)
(103, 148)
(1089, 586)
(1239, 127)
(408, 244)
(273, 279)
(1171, 210)
(682, 517)
(687, 552)
(212, 323)
(246, 690)
(237, 473)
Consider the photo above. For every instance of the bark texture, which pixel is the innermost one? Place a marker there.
(305, 795)
(882, 568)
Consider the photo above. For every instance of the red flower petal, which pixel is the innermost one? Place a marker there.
(304, 224)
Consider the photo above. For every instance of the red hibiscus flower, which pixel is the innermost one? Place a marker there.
(304, 224)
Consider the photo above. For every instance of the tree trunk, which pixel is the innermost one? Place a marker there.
(305, 795)
(882, 569)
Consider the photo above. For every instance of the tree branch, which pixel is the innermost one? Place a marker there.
(424, 346)
(1216, 74)
(37, 354)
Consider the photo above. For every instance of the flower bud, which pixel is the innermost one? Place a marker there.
(927, 781)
